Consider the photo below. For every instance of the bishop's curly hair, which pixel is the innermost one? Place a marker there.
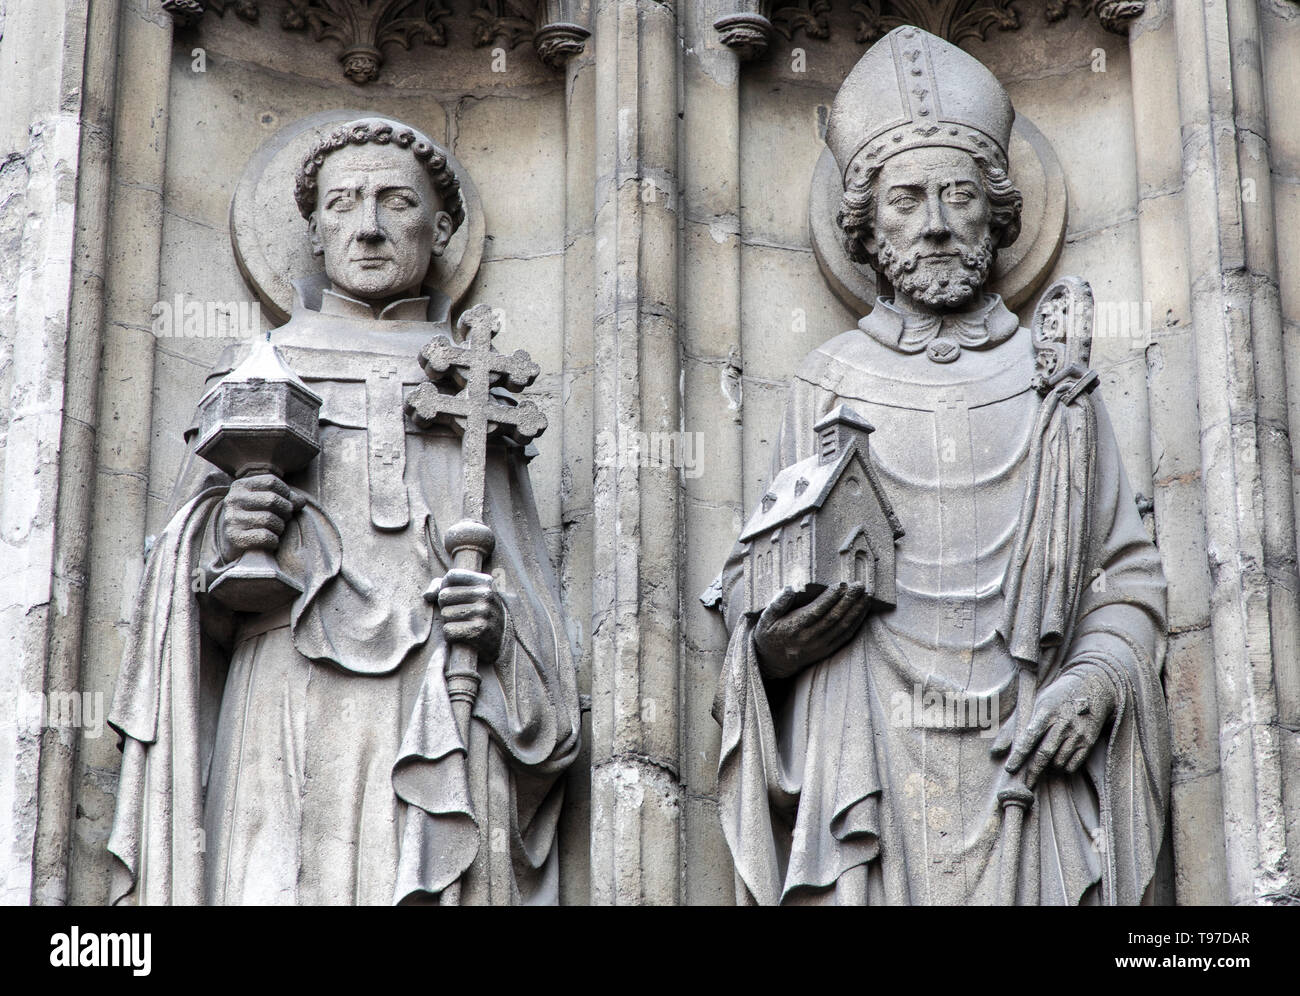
(857, 214)
(432, 158)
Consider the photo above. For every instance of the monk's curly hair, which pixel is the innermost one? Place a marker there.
(857, 214)
(433, 159)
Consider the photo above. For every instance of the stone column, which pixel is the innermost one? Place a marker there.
(1280, 50)
(636, 786)
(116, 547)
(53, 179)
(1244, 438)
(576, 571)
(77, 463)
(711, 369)
(1197, 796)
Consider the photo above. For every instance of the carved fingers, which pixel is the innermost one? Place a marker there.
(472, 611)
(1068, 719)
(789, 638)
(254, 514)
(843, 612)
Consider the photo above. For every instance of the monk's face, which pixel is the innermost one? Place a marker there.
(932, 227)
(378, 221)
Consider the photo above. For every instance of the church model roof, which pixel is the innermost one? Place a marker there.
(804, 486)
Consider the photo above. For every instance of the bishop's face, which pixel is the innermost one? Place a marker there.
(932, 228)
(377, 221)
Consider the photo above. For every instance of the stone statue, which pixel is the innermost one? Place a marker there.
(306, 749)
(995, 731)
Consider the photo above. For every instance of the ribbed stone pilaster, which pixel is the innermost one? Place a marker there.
(636, 785)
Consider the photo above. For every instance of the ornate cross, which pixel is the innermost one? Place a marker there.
(476, 368)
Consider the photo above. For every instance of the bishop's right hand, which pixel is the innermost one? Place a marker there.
(254, 513)
(790, 636)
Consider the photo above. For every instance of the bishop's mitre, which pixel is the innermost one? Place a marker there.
(912, 89)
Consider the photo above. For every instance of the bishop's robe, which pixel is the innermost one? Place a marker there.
(854, 782)
(309, 755)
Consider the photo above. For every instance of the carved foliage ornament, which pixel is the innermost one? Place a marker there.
(749, 28)
(186, 11)
(962, 20)
(363, 28)
(810, 16)
(955, 21)
(1113, 14)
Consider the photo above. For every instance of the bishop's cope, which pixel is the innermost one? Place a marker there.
(995, 732)
(387, 720)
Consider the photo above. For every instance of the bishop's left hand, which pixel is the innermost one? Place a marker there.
(472, 611)
(1069, 716)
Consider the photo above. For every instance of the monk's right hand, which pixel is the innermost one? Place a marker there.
(789, 637)
(254, 514)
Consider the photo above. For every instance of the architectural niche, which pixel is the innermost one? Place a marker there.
(748, 28)
(363, 29)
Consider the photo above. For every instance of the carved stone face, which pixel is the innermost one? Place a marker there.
(932, 227)
(378, 221)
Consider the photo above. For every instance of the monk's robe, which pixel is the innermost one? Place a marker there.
(309, 754)
(872, 776)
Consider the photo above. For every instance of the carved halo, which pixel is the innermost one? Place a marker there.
(1021, 267)
(270, 237)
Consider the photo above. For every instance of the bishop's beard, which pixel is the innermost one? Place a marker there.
(943, 282)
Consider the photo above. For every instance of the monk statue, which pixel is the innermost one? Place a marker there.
(304, 750)
(995, 731)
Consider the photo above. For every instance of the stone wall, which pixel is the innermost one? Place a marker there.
(646, 210)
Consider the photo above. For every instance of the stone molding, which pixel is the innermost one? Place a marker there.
(363, 29)
(747, 26)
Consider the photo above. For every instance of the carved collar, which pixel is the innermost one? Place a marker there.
(941, 336)
(408, 309)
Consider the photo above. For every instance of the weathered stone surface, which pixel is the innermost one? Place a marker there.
(831, 637)
(647, 203)
(403, 545)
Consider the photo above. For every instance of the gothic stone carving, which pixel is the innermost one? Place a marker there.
(1115, 15)
(824, 521)
(260, 418)
(364, 28)
(347, 679)
(962, 20)
(748, 30)
(996, 731)
(749, 26)
(549, 23)
(188, 11)
(954, 20)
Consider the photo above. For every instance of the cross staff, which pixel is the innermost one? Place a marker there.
(475, 368)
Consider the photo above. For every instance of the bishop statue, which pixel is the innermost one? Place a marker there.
(996, 731)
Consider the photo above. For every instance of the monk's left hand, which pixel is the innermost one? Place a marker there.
(472, 611)
(1069, 716)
